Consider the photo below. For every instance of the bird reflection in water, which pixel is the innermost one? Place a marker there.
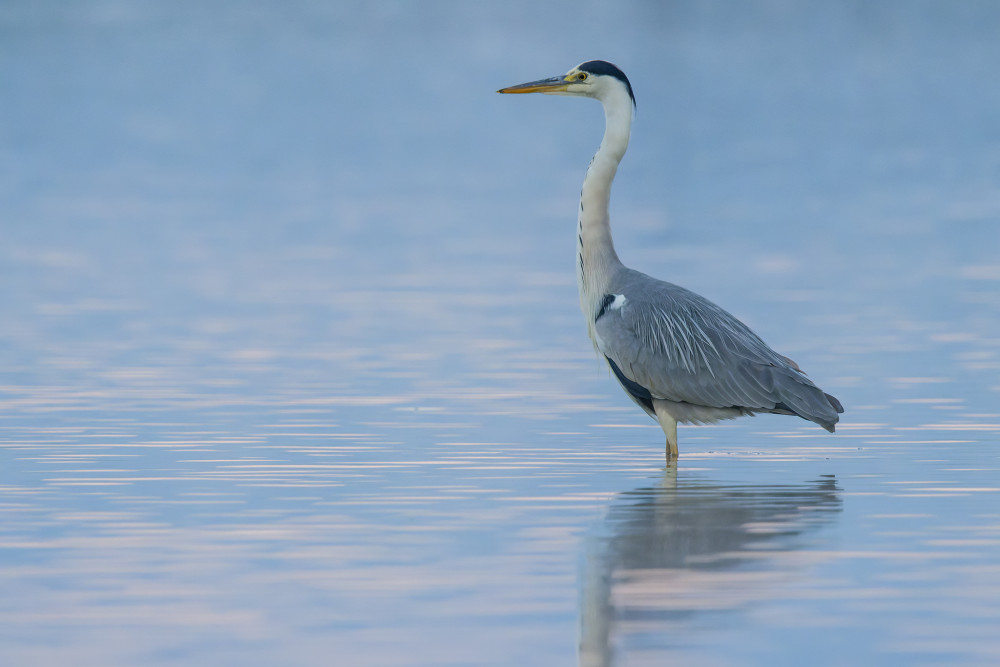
(684, 547)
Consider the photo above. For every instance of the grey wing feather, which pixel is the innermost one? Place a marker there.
(683, 348)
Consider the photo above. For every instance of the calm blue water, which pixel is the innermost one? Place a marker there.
(292, 369)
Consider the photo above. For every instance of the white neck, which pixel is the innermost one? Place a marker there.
(596, 260)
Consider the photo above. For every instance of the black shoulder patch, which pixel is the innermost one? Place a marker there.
(605, 68)
(608, 300)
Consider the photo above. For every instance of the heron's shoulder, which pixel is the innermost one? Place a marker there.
(640, 288)
(662, 314)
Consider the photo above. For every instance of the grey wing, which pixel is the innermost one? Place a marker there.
(672, 344)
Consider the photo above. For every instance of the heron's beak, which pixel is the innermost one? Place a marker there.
(553, 85)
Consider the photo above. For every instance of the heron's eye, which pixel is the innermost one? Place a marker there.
(582, 76)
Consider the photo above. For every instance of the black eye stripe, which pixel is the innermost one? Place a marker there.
(607, 69)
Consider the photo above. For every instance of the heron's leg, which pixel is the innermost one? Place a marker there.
(669, 426)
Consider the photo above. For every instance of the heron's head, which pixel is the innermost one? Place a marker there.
(594, 78)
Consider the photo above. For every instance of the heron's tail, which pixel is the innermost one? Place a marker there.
(836, 405)
(799, 396)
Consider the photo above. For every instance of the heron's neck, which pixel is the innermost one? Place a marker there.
(596, 259)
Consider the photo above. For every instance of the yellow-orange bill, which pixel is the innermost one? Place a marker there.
(542, 86)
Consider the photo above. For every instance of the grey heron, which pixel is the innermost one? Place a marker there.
(679, 356)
